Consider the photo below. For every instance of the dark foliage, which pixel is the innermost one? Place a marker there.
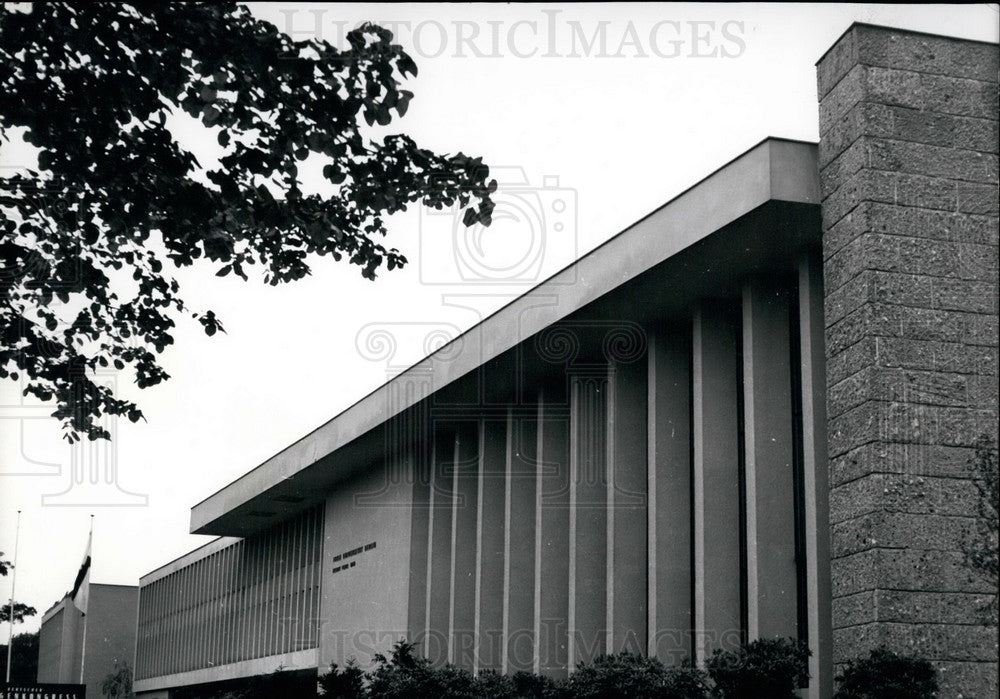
(772, 668)
(117, 684)
(24, 658)
(630, 675)
(402, 673)
(343, 683)
(405, 674)
(527, 685)
(885, 675)
(20, 610)
(87, 236)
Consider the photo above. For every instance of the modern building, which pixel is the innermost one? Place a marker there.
(747, 415)
(101, 640)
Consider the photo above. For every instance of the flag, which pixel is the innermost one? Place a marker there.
(81, 588)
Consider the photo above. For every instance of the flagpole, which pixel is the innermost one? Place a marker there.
(13, 581)
(83, 649)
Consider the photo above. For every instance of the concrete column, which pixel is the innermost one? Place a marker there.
(69, 653)
(588, 521)
(627, 553)
(490, 528)
(419, 541)
(464, 553)
(815, 481)
(519, 624)
(769, 463)
(717, 520)
(552, 521)
(439, 546)
(410, 439)
(669, 514)
(259, 610)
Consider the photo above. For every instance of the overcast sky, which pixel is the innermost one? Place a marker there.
(591, 115)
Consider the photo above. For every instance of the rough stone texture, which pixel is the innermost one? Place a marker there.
(909, 170)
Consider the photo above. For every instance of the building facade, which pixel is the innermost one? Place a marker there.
(747, 415)
(100, 640)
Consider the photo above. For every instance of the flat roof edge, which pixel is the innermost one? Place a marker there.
(791, 175)
(54, 609)
(901, 30)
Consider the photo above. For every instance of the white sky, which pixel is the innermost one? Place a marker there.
(612, 136)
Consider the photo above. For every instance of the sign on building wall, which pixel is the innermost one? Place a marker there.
(22, 690)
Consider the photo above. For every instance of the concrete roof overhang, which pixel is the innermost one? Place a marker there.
(753, 215)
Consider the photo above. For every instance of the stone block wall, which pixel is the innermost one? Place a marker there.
(908, 157)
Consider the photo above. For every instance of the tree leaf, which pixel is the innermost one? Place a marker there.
(94, 102)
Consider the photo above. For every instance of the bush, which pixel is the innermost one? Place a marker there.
(403, 675)
(885, 675)
(490, 684)
(685, 682)
(629, 675)
(118, 683)
(765, 668)
(527, 685)
(346, 683)
(772, 668)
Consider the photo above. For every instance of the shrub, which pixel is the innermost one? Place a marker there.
(772, 668)
(885, 675)
(403, 675)
(527, 685)
(490, 684)
(118, 683)
(685, 682)
(346, 683)
(630, 675)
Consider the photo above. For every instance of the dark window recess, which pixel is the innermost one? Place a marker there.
(798, 471)
(691, 500)
(742, 480)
